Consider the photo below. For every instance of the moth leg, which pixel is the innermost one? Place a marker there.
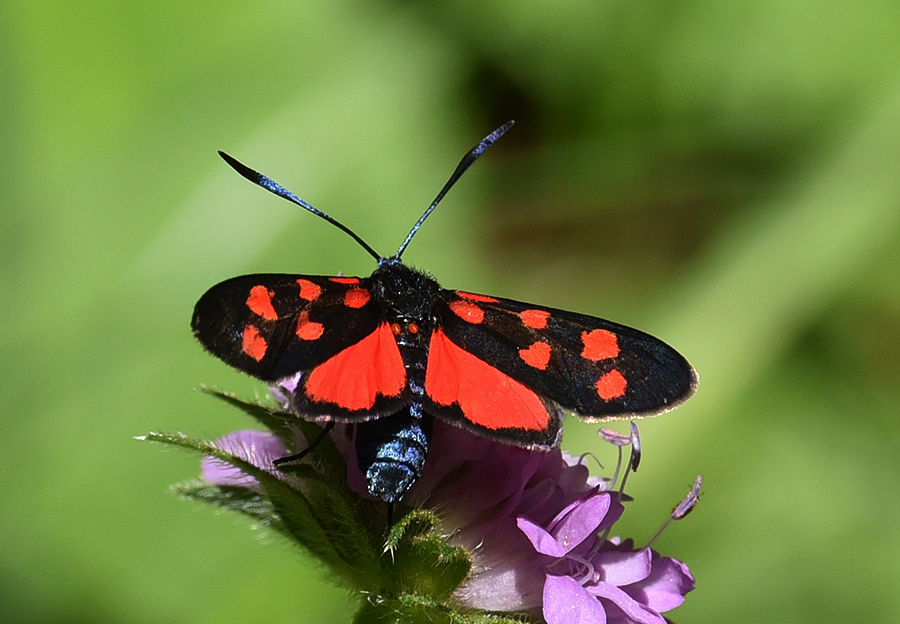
(312, 445)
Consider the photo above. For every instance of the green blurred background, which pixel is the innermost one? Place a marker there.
(725, 175)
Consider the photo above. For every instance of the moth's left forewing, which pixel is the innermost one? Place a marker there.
(593, 367)
(273, 325)
(321, 339)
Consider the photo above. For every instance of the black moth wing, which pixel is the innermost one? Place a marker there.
(224, 313)
(657, 378)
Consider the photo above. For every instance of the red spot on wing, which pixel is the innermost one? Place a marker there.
(537, 355)
(486, 396)
(468, 312)
(535, 319)
(612, 385)
(309, 291)
(344, 280)
(307, 329)
(253, 344)
(356, 376)
(260, 302)
(356, 297)
(599, 344)
(474, 297)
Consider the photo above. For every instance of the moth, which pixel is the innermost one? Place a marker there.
(392, 351)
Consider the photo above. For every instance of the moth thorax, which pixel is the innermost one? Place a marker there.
(404, 292)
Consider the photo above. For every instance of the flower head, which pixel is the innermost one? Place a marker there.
(479, 488)
(533, 521)
(510, 530)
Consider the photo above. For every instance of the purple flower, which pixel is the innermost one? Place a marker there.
(480, 488)
(531, 520)
(590, 579)
(535, 523)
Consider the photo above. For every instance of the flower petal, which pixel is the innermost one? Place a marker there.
(577, 477)
(257, 447)
(619, 601)
(666, 586)
(581, 520)
(512, 584)
(566, 602)
(619, 567)
(542, 541)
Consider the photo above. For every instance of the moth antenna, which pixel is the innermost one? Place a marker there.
(467, 160)
(273, 187)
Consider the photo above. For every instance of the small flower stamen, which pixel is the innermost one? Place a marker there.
(682, 509)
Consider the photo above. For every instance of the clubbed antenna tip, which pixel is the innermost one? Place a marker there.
(470, 157)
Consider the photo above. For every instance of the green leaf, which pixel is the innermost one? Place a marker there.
(408, 609)
(410, 575)
(423, 561)
(417, 609)
(342, 531)
(285, 425)
(278, 422)
(242, 500)
(330, 533)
